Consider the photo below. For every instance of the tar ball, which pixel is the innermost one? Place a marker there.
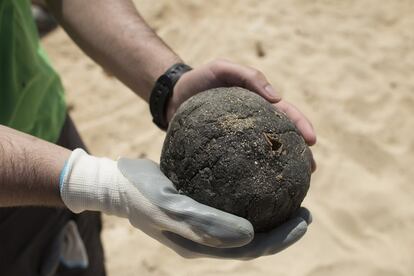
(231, 149)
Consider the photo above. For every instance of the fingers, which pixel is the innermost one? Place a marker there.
(233, 74)
(300, 121)
(209, 226)
(225, 73)
(305, 214)
(282, 237)
(237, 75)
(263, 244)
(177, 213)
(275, 240)
(313, 163)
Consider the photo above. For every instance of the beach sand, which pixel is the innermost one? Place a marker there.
(348, 65)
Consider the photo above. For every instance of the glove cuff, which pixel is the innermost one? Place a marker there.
(91, 183)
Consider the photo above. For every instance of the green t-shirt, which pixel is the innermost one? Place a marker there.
(31, 94)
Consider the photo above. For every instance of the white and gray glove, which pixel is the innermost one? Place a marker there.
(139, 191)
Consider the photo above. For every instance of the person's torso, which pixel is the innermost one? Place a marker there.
(31, 94)
(31, 100)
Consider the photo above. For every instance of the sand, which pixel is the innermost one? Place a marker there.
(349, 65)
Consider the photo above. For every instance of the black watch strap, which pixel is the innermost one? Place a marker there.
(162, 92)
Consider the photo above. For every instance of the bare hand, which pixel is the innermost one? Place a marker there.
(223, 73)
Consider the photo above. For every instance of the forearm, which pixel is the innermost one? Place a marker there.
(115, 36)
(29, 170)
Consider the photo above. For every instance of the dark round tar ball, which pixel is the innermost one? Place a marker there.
(231, 149)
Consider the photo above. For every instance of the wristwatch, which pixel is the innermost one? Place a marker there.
(162, 92)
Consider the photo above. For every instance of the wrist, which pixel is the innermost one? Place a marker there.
(163, 91)
(160, 68)
(177, 98)
(153, 70)
(91, 183)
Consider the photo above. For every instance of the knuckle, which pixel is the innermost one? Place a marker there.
(256, 74)
(218, 65)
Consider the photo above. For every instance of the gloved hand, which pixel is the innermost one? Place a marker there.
(139, 191)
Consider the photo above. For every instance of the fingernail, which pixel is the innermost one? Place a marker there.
(271, 92)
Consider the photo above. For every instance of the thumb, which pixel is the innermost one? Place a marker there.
(232, 74)
(181, 214)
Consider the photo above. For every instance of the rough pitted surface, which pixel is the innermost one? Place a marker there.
(230, 149)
